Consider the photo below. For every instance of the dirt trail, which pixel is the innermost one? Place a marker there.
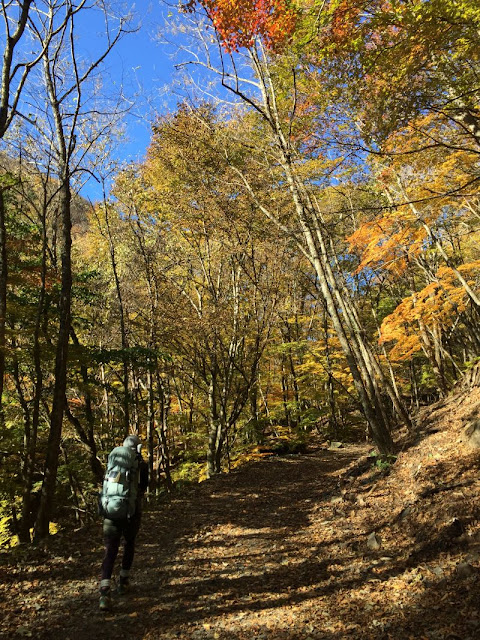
(215, 560)
(276, 550)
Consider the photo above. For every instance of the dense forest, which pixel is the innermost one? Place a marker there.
(296, 254)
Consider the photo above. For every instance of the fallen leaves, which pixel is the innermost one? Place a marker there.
(289, 563)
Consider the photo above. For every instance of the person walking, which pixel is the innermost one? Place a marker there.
(125, 483)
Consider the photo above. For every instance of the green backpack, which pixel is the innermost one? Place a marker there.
(120, 486)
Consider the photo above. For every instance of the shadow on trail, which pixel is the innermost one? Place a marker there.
(221, 548)
(218, 559)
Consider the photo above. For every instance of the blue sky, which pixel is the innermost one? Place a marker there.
(148, 70)
(140, 66)
(144, 65)
(144, 68)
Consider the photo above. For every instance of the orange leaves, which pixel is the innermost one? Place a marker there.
(388, 242)
(344, 19)
(438, 304)
(240, 22)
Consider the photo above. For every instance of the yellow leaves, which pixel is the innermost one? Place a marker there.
(465, 269)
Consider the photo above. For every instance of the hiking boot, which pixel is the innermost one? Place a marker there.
(105, 599)
(123, 586)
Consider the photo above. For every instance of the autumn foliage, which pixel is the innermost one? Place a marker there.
(435, 308)
(240, 22)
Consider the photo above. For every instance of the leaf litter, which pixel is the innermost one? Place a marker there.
(321, 546)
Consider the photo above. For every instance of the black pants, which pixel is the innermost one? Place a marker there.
(113, 532)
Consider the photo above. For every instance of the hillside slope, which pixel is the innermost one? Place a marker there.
(327, 546)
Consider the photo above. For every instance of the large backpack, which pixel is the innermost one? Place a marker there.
(120, 485)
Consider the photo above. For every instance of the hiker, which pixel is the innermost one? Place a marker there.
(125, 482)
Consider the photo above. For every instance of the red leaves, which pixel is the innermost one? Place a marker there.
(240, 22)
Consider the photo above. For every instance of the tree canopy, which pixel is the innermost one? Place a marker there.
(297, 253)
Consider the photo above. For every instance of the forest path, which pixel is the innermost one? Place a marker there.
(276, 550)
(214, 561)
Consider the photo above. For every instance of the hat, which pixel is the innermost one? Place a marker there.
(132, 441)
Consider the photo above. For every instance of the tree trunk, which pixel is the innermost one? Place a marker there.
(433, 355)
(73, 485)
(106, 402)
(162, 432)
(286, 409)
(330, 388)
(150, 428)
(60, 384)
(221, 439)
(123, 328)
(25, 522)
(214, 428)
(87, 438)
(316, 242)
(3, 297)
(31, 444)
(351, 344)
